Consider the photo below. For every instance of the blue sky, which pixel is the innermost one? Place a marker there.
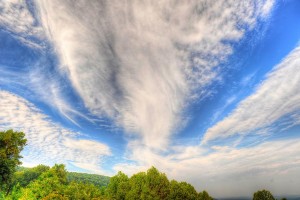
(208, 92)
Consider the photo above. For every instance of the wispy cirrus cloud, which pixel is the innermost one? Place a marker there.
(37, 77)
(275, 98)
(17, 18)
(140, 62)
(48, 142)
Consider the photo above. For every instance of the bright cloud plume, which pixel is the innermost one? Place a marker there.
(48, 142)
(138, 62)
(275, 98)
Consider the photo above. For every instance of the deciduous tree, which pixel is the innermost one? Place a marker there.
(11, 145)
(263, 195)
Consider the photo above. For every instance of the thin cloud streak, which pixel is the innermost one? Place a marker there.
(276, 97)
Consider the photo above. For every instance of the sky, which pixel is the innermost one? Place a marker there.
(206, 91)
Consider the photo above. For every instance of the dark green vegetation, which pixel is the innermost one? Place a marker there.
(11, 145)
(263, 195)
(43, 182)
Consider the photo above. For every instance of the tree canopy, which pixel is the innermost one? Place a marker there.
(263, 195)
(11, 145)
(151, 185)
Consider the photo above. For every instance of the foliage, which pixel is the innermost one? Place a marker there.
(263, 195)
(137, 184)
(43, 182)
(95, 179)
(118, 186)
(48, 183)
(24, 176)
(82, 191)
(53, 184)
(157, 185)
(182, 190)
(151, 185)
(11, 144)
(204, 196)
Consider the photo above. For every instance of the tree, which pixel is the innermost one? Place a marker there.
(24, 177)
(11, 145)
(118, 186)
(263, 195)
(50, 183)
(84, 191)
(204, 196)
(137, 183)
(182, 190)
(157, 185)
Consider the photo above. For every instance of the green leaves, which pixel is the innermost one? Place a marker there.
(151, 185)
(42, 182)
(263, 195)
(182, 190)
(204, 196)
(95, 179)
(52, 184)
(118, 186)
(11, 144)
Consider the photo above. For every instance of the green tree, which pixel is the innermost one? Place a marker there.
(51, 183)
(82, 191)
(137, 183)
(157, 185)
(11, 145)
(263, 195)
(204, 196)
(118, 186)
(25, 176)
(182, 190)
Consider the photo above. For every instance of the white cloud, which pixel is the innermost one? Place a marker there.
(50, 88)
(268, 5)
(37, 82)
(130, 61)
(48, 142)
(275, 98)
(16, 18)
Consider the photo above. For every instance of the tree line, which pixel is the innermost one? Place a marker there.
(44, 182)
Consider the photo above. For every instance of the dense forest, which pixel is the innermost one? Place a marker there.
(44, 182)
